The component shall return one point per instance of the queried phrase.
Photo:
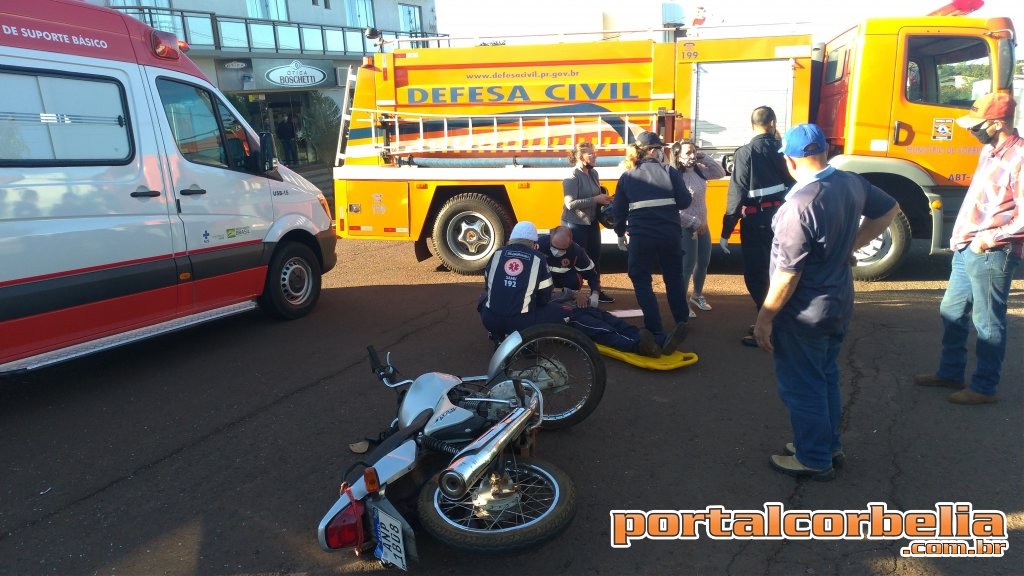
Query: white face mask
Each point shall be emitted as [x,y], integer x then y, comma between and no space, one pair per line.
[557,252]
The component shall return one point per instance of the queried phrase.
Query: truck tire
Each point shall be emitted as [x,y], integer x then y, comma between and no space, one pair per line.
[883,255]
[293,282]
[467,230]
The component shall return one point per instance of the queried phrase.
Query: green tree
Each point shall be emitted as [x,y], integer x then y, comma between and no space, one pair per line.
[320,123]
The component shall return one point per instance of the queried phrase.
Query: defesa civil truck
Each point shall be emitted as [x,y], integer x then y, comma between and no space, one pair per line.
[449,146]
[134,200]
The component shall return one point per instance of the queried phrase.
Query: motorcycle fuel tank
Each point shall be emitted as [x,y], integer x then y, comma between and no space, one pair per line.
[430,391]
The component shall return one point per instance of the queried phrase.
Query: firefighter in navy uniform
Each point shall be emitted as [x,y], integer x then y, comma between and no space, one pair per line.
[756,190]
[646,204]
[517,295]
[569,265]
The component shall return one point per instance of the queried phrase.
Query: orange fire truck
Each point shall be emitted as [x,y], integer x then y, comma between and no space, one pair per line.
[454,145]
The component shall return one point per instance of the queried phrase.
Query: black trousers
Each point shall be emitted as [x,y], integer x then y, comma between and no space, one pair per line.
[756,241]
[588,236]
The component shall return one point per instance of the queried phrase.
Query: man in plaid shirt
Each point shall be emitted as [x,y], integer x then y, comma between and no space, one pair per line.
[987,241]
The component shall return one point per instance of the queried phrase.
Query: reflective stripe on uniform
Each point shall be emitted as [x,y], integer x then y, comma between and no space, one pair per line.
[557,270]
[534,273]
[761,192]
[652,203]
[490,280]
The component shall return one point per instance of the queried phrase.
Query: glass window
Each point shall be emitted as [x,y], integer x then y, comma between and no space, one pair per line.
[192,120]
[288,37]
[267,9]
[835,65]
[409,18]
[47,119]
[359,13]
[947,70]
[233,34]
[312,39]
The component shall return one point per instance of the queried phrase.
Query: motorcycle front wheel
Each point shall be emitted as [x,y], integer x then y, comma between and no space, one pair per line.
[567,368]
[528,504]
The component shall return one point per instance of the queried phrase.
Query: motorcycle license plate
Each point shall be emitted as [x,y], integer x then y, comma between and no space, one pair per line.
[390,544]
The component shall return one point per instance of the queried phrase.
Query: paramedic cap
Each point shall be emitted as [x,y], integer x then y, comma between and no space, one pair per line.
[649,139]
[524,231]
[998,106]
[803,140]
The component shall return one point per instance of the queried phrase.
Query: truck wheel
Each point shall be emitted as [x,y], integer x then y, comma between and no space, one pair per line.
[883,255]
[293,282]
[467,230]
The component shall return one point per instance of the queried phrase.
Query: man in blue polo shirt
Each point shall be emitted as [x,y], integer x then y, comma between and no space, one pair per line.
[810,298]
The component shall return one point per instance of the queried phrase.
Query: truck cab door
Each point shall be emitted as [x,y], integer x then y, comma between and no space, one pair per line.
[221,195]
[939,74]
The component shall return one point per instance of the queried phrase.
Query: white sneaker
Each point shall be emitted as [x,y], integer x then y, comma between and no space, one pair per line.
[699,301]
[692,313]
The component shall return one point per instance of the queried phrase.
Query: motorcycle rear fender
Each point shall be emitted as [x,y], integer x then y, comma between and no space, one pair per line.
[390,467]
[500,356]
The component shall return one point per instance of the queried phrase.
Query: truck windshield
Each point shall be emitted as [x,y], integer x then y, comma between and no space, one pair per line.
[947,70]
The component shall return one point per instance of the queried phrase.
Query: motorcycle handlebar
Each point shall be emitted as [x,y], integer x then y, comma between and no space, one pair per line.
[375,364]
[382,372]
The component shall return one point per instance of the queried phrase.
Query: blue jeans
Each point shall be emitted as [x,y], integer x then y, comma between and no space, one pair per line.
[807,375]
[978,290]
[696,257]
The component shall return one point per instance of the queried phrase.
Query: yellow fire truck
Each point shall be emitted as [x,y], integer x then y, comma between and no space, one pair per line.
[454,145]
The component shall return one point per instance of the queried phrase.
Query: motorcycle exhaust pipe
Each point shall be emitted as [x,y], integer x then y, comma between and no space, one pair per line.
[472,461]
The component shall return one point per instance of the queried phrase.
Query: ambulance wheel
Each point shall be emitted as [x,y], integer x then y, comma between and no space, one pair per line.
[467,230]
[883,255]
[293,282]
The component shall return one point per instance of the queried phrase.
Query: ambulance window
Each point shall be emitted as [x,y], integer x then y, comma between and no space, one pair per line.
[947,70]
[190,114]
[53,120]
[239,149]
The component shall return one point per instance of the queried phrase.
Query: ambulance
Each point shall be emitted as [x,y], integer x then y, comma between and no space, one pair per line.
[448,147]
[134,200]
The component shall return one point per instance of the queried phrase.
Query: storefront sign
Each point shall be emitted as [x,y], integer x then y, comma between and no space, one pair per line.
[256,74]
[296,75]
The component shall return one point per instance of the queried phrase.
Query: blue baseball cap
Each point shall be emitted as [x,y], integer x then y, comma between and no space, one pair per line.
[803,140]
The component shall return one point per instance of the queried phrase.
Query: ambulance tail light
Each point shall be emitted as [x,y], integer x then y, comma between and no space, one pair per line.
[165,45]
[958,8]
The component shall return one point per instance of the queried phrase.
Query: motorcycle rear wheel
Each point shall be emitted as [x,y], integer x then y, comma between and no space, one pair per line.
[542,505]
[567,368]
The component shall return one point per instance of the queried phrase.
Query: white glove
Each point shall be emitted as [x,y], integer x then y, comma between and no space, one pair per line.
[724,243]
[623,244]
[593,299]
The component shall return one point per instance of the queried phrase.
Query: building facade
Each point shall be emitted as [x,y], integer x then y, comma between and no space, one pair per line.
[282,57]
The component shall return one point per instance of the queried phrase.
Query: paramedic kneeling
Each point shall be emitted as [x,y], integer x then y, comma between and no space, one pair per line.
[517,294]
[517,286]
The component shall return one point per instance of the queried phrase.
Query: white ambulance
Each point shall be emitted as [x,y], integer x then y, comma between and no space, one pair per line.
[134,200]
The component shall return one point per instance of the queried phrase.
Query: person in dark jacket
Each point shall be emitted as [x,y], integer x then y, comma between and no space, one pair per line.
[569,265]
[647,201]
[756,190]
[517,295]
[286,133]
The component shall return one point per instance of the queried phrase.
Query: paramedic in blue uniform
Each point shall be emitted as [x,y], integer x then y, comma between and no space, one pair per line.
[647,201]
[517,295]
[757,188]
[569,265]
[518,286]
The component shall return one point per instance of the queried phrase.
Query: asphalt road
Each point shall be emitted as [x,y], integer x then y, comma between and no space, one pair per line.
[217,450]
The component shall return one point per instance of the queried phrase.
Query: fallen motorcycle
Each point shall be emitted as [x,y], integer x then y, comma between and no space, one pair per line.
[459,455]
